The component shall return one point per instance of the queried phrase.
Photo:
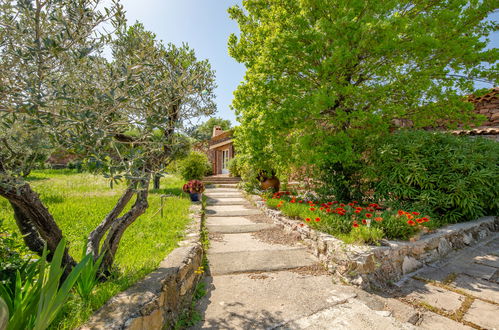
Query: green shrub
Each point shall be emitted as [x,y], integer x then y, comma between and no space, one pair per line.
[14,255]
[235,167]
[363,235]
[456,178]
[40,295]
[195,166]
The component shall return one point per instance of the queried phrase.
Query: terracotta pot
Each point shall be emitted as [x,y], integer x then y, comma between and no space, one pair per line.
[271,183]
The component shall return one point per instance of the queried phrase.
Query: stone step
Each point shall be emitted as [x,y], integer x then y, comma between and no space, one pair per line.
[227,201]
[228,221]
[266,300]
[227,185]
[230,229]
[226,194]
[235,213]
[222,263]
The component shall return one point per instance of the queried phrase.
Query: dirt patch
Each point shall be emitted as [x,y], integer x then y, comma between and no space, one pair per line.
[276,236]
[258,276]
[313,270]
[217,237]
[259,218]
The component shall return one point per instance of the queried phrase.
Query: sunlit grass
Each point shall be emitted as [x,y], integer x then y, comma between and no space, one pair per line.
[79,202]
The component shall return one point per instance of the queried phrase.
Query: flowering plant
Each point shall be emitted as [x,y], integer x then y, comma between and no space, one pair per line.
[193,186]
[352,221]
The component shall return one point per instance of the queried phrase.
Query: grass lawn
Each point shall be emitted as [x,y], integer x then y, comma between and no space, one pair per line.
[79,202]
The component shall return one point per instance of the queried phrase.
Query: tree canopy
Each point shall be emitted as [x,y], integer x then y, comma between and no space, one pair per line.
[120,115]
[324,78]
[204,131]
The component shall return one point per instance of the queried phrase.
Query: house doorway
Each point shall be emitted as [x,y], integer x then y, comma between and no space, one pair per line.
[225,161]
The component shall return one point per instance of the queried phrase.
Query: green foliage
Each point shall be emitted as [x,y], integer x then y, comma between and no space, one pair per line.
[40,296]
[235,167]
[324,79]
[85,199]
[352,222]
[195,166]
[364,235]
[456,178]
[14,256]
[204,131]
[88,277]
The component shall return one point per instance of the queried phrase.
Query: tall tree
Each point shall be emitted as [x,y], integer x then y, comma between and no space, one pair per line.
[120,115]
[325,77]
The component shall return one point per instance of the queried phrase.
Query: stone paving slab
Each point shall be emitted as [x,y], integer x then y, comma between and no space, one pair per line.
[347,316]
[483,314]
[477,288]
[255,227]
[257,261]
[233,208]
[432,321]
[246,212]
[266,300]
[245,242]
[227,201]
[228,220]
[434,296]
[224,195]
[487,260]
[471,269]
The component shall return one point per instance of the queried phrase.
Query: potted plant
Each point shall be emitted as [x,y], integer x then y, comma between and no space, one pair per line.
[268,180]
[195,188]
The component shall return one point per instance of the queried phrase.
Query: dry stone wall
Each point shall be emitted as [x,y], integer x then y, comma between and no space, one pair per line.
[157,301]
[376,266]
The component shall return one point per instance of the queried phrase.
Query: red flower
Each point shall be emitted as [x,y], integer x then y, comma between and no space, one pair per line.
[317,219]
[400,212]
[358,208]
[329,203]
[307,219]
[378,219]
[300,202]
[357,211]
[373,205]
[416,213]
[411,223]
[301,225]
[364,221]
[328,210]
[355,202]
[368,215]
[409,216]
[351,204]
[342,205]
[419,220]
[425,219]
[355,224]
[321,208]
[292,201]
[312,209]
[310,202]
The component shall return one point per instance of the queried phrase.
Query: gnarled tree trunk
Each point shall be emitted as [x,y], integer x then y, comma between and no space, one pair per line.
[114,227]
[35,221]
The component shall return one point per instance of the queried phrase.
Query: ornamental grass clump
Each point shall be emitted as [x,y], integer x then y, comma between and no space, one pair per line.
[352,222]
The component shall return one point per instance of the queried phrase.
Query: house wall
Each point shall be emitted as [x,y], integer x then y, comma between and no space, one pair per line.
[216,156]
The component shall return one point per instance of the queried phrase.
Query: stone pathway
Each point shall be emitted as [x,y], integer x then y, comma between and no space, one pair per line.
[464,287]
[262,279]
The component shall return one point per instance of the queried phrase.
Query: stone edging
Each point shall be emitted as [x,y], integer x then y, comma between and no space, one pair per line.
[157,301]
[376,266]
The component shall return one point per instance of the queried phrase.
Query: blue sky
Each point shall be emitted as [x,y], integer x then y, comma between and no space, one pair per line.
[206,26]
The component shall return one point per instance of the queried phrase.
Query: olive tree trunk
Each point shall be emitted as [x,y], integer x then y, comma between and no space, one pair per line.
[35,221]
[113,227]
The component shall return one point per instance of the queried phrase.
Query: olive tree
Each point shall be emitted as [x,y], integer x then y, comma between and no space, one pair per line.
[119,114]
